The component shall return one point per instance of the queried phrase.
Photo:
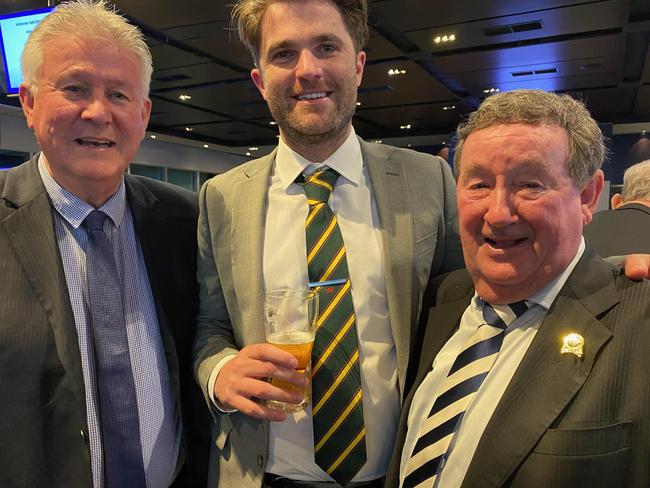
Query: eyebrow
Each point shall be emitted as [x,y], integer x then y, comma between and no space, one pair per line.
[287,43]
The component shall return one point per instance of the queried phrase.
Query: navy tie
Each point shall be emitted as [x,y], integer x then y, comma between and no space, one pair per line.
[118,409]
[455,395]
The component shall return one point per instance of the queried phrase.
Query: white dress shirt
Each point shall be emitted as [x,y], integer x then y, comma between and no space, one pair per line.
[518,336]
[291,449]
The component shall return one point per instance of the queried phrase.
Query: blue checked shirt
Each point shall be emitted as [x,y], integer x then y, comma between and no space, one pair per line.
[160,428]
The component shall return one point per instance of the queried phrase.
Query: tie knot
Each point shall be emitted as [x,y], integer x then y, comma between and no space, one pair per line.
[95,220]
[319,185]
[512,311]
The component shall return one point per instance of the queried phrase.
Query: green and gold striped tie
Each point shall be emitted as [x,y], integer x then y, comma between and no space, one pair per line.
[339,432]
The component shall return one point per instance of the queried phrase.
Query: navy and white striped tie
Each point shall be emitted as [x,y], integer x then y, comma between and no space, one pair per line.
[455,394]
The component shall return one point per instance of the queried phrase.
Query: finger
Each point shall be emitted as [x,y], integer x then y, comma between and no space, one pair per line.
[255,409]
[268,352]
[263,390]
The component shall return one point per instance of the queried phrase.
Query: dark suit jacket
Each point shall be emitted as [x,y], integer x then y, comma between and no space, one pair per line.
[43,423]
[625,230]
[562,421]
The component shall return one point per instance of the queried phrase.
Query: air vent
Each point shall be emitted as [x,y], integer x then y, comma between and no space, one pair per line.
[512,28]
[545,71]
[171,78]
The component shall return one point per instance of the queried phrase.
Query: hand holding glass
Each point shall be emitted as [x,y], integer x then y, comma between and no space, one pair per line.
[289,323]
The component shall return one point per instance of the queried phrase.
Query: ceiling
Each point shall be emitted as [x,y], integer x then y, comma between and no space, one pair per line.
[595,50]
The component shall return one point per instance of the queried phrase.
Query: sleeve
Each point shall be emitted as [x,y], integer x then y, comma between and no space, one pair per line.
[214,336]
[448,255]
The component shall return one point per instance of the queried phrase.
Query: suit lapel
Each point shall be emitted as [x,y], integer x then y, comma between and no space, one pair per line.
[545,381]
[152,230]
[247,243]
[390,189]
[30,232]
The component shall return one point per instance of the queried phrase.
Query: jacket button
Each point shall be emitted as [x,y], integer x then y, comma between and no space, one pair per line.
[260,460]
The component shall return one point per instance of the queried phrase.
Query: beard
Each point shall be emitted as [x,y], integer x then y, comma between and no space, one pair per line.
[306,125]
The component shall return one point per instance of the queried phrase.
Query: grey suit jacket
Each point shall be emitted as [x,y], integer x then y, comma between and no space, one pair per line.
[43,423]
[416,205]
[562,421]
[625,230]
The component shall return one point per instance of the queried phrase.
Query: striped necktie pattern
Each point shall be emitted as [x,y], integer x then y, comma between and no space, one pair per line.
[337,407]
[465,377]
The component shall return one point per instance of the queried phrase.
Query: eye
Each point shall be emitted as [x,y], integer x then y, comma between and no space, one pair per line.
[72,89]
[531,185]
[282,55]
[328,48]
[118,95]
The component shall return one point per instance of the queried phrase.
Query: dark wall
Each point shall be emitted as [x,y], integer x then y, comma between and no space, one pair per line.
[626,150]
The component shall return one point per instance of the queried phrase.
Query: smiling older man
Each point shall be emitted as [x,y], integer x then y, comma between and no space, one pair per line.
[535,359]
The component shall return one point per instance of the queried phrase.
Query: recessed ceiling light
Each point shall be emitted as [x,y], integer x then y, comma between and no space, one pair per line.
[405,126]
[205,146]
[377,141]
[489,91]
[248,154]
[273,122]
[253,148]
[396,71]
[444,38]
[449,107]
[189,129]
[358,104]
[183,97]
[153,136]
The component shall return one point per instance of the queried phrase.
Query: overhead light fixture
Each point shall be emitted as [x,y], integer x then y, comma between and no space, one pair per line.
[184,97]
[189,129]
[253,148]
[405,126]
[358,104]
[489,91]
[273,122]
[449,107]
[205,146]
[153,136]
[396,71]
[444,38]
[248,154]
[377,141]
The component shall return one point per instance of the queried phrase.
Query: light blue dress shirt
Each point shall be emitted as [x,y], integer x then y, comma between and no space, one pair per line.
[160,426]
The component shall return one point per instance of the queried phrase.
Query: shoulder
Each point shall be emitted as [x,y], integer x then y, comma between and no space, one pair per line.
[385,151]
[176,200]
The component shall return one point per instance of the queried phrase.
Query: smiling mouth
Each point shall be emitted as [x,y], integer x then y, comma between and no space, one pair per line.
[94,143]
[311,96]
[504,243]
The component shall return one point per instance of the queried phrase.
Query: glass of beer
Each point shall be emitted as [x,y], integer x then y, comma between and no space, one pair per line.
[289,323]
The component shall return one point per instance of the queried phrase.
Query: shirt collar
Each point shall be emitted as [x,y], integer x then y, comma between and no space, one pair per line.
[546,296]
[74,209]
[346,160]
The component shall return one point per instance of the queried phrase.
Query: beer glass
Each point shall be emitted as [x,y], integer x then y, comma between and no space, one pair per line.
[289,323]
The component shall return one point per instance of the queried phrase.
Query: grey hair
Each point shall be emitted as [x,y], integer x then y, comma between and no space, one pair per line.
[536,107]
[636,182]
[92,19]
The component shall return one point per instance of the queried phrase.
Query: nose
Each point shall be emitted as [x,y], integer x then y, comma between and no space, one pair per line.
[501,211]
[97,110]
[308,66]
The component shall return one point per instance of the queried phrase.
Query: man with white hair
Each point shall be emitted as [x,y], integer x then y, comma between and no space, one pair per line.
[98,300]
[625,228]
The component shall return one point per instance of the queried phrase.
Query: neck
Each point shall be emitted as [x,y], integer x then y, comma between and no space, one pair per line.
[317,152]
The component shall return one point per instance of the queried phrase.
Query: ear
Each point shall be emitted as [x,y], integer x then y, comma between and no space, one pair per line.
[590,194]
[27,102]
[360,63]
[145,113]
[616,201]
[258,79]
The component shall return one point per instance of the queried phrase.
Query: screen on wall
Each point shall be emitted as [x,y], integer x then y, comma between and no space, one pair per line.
[14,29]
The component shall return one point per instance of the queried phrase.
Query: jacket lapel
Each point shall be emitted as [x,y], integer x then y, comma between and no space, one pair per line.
[247,241]
[546,381]
[30,232]
[391,194]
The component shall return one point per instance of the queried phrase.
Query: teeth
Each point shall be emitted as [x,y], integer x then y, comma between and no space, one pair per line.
[90,142]
[312,96]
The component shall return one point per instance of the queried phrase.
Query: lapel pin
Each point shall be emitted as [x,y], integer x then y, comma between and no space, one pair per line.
[573,344]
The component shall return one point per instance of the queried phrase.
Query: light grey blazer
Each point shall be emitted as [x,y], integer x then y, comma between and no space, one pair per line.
[415,199]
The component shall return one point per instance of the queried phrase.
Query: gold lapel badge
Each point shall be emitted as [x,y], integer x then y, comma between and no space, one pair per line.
[573,344]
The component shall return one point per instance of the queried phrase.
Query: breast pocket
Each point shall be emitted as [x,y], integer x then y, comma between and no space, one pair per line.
[595,457]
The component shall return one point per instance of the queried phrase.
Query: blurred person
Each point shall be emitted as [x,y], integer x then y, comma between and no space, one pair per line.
[625,228]
[99,296]
[392,225]
[534,365]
